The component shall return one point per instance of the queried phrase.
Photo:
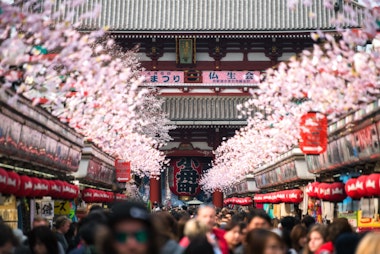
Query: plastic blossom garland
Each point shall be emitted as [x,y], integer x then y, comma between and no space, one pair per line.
[82,80]
[333,78]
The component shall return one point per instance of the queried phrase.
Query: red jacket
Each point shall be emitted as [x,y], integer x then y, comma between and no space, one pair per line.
[326,248]
[219,235]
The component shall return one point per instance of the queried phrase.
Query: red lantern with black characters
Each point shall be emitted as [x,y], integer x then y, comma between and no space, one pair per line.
[360,186]
[372,185]
[13,183]
[184,176]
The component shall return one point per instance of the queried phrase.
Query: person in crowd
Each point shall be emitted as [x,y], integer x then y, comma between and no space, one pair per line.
[316,237]
[370,244]
[42,240]
[334,230]
[200,244]
[262,241]
[71,236]
[286,225]
[308,221]
[62,226]
[346,243]
[167,236]
[233,235]
[40,221]
[275,222]
[298,236]
[193,228]
[8,241]
[259,219]
[132,230]
[206,215]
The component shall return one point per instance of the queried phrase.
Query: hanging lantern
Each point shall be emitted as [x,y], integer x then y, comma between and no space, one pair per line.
[258,198]
[26,187]
[45,188]
[3,179]
[312,189]
[13,183]
[295,196]
[321,190]
[327,192]
[56,189]
[88,195]
[350,188]
[36,187]
[372,185]
[184,176]
[360,186]
[338,193]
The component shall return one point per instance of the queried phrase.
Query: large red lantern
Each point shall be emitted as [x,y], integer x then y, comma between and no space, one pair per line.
[313,132]
[337,192]
[184,176]
[360,186]
[13,183]
[258,198]
[372,185]
[26,187]
[350,188]
[3,179]
[69,191]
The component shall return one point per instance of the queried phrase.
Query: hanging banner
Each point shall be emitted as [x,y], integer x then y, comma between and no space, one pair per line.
[163,76]
[123,171]
[313,128]
[62,207]
[230,76]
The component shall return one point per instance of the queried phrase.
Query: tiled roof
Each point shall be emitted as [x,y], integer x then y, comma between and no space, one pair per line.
[204,109]
[141,16]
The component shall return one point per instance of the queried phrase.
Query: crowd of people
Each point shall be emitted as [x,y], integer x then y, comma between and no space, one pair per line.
[128,227]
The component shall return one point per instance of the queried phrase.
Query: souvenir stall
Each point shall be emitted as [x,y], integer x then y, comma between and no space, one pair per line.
[35,148]
[289,171]
[96,177]
[352,155]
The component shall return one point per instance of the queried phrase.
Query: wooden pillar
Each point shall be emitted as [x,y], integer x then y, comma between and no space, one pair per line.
[217,199]
[155,190]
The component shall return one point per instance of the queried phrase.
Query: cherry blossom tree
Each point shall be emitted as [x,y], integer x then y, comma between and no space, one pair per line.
[83,79]
[333,78]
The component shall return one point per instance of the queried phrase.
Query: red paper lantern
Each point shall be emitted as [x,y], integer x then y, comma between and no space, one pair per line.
[36,187]
[338,193]
[312,189]
[69,191]
[88,195]
[13,183]
[45,188]
[328,192]
[372,185]
[322,190]
[56,189]
[3,179]
[295,196]
[360,186]
[26,187]
[350,188]
[258,198]
[248,201]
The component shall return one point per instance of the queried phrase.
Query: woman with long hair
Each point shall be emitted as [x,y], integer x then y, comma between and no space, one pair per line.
[316,238]
[43,241]
[262,241]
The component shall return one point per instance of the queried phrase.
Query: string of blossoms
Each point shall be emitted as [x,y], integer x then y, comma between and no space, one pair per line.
[332,78]
[84,83]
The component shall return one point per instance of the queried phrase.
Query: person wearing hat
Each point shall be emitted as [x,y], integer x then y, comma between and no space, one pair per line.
[132,229]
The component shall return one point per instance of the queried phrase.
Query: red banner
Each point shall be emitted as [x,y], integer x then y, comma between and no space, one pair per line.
[313,133]
[123,171]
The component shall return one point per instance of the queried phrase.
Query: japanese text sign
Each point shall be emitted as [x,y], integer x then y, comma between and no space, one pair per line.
[123,171]
[163,76]
[231,77]
[313,132]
